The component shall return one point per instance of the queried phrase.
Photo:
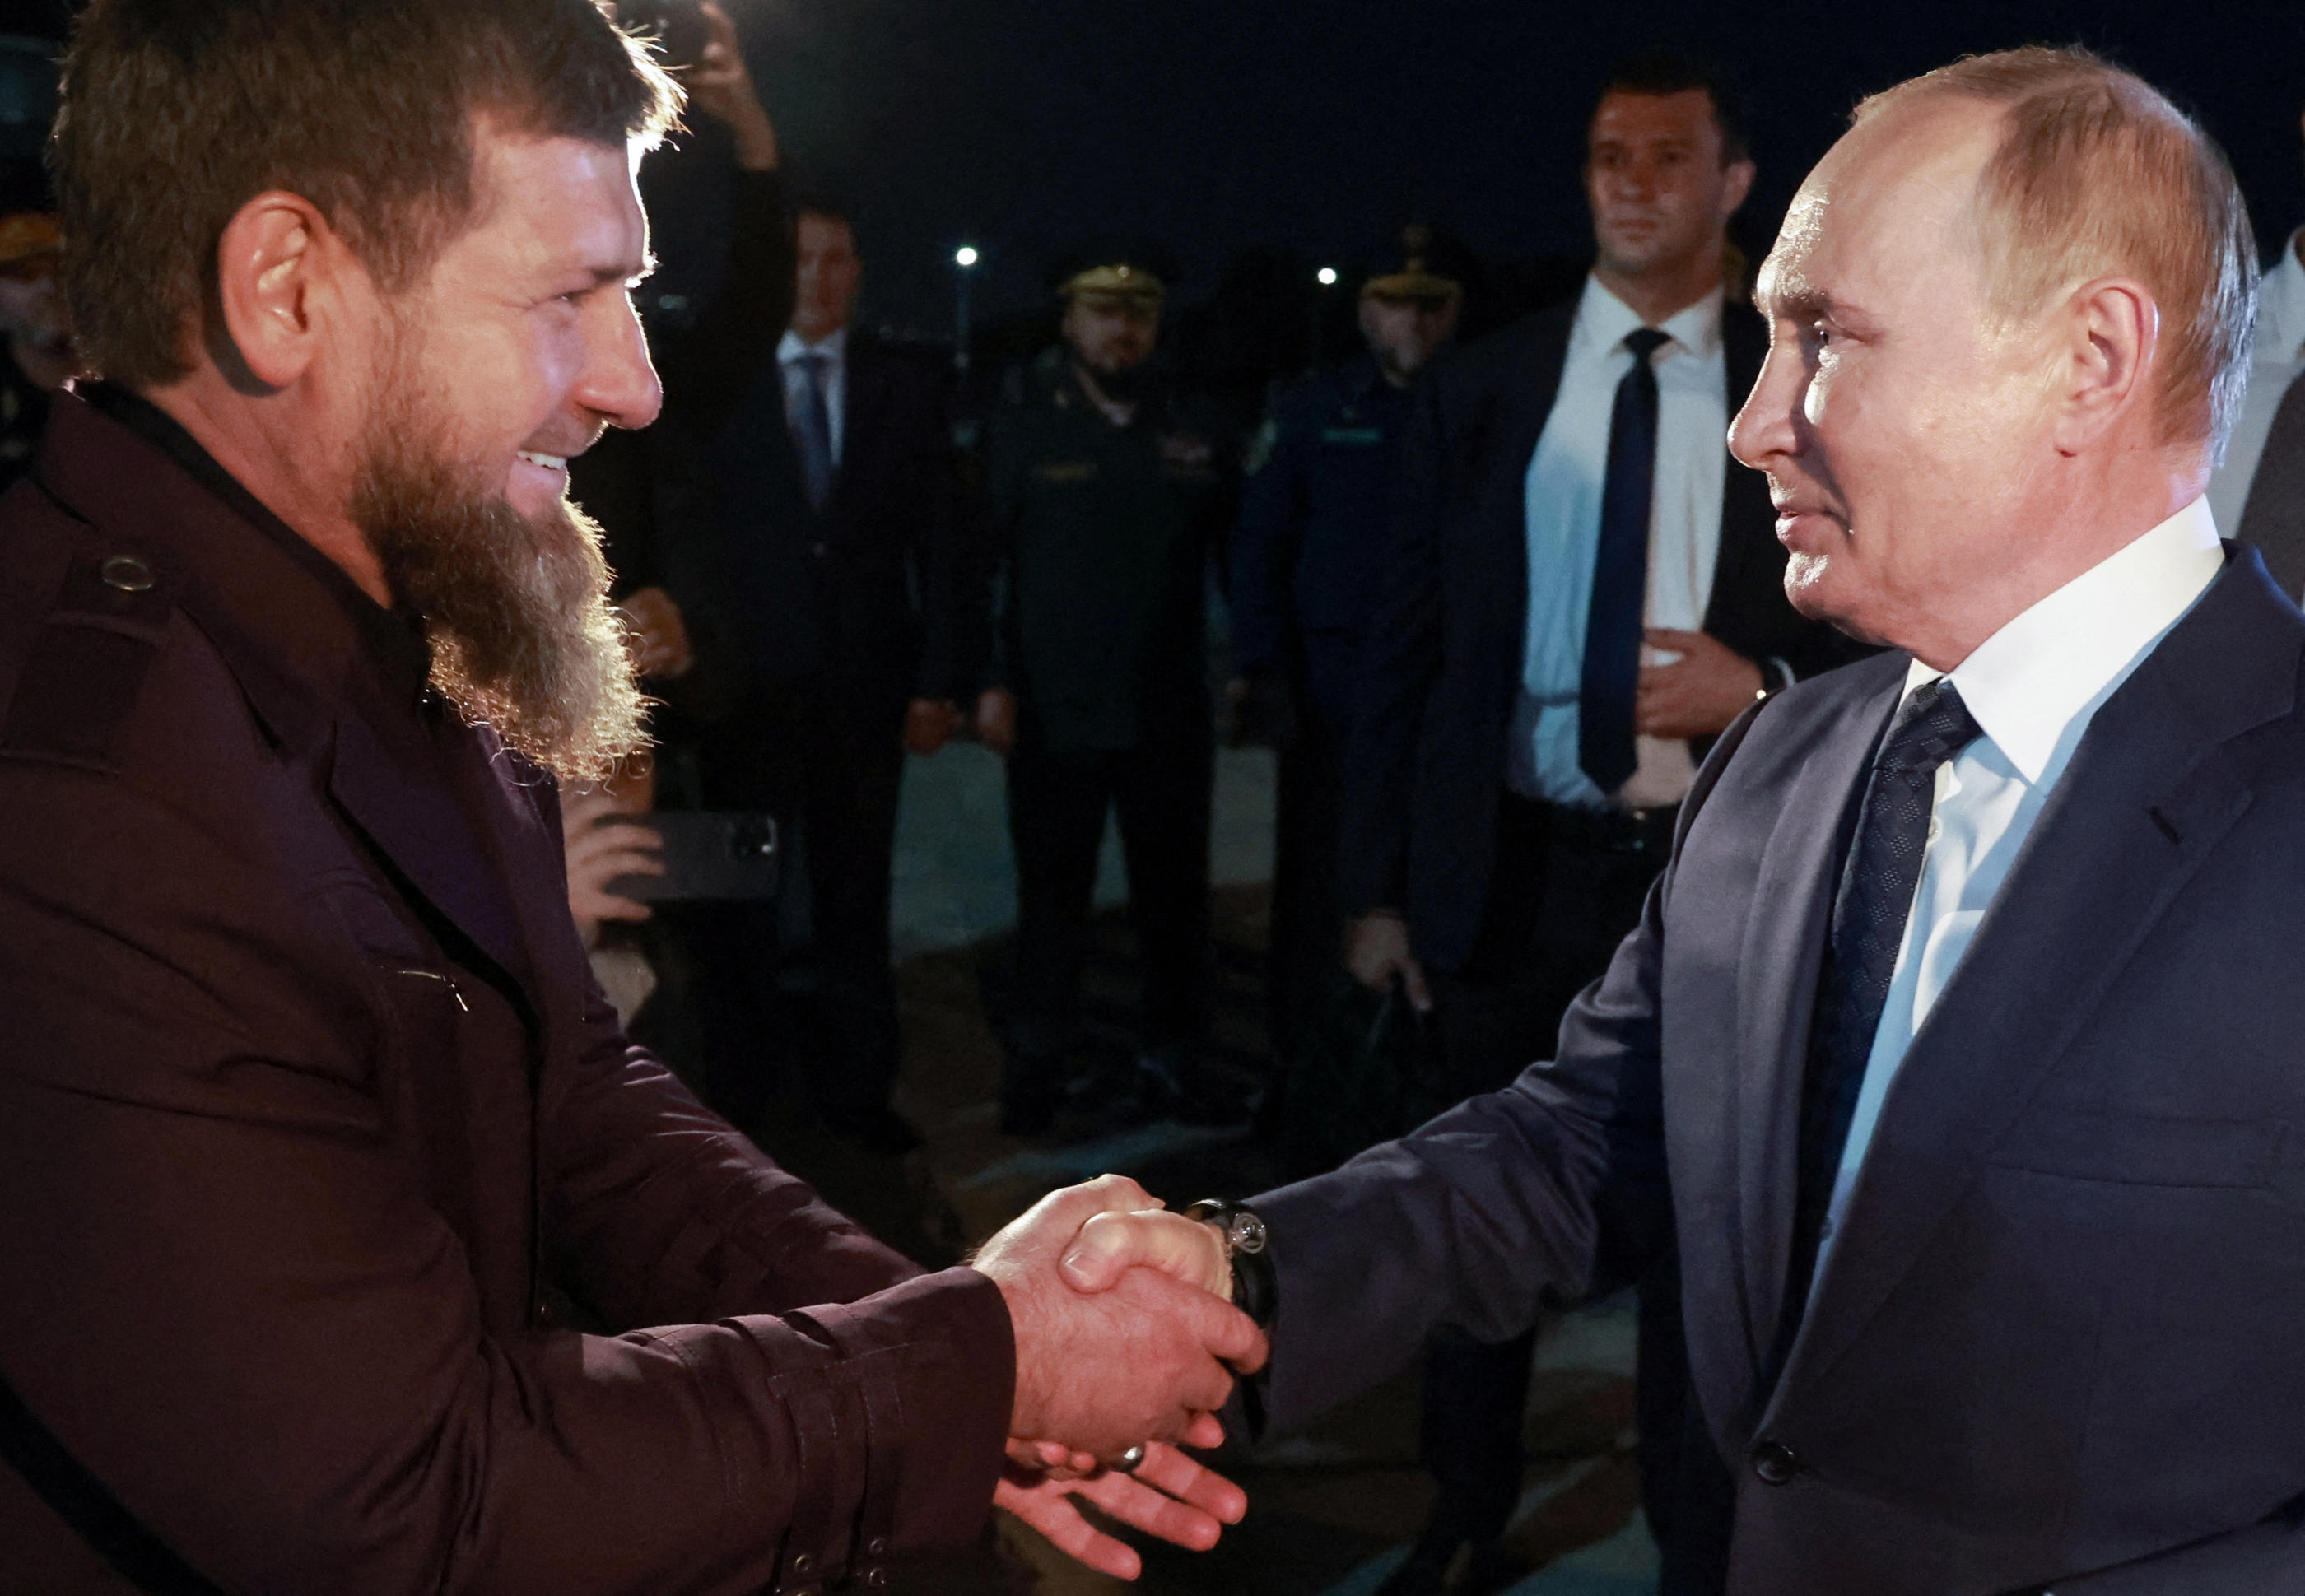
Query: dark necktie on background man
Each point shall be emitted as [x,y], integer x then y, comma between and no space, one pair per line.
[813,430]
[1621,574]
[2274,518]
[1869,911]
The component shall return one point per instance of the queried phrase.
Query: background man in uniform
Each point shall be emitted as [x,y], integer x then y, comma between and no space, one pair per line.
[1318,494]
[1105,494]
[36,349]
[1582,591]
[2259,493]
[333,1202]
[1961,1033]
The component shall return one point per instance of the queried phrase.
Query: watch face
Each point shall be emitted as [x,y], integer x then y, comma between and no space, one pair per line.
[1246,1232]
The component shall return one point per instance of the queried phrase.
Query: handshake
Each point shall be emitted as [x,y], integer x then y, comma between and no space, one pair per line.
[1127,1344]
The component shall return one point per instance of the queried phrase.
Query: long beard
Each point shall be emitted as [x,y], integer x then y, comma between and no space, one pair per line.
[523,639]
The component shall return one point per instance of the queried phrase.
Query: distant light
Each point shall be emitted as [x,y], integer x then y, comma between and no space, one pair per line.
[1328,276]
[964,256]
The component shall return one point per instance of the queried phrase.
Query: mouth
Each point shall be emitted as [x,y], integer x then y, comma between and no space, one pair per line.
[550,462]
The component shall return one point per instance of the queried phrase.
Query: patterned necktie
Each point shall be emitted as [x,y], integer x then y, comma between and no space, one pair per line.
[1621,574]
[1875,899]
[811,429]
[2274,518]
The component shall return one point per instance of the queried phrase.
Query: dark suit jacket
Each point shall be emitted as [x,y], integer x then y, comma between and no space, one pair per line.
[1426,761]
[310,1112]
[873,600]
[2058,1333]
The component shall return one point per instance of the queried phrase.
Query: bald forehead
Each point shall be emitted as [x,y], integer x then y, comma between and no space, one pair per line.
[1895,198]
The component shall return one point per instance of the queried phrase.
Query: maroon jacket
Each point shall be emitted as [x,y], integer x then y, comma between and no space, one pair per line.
[310,1112]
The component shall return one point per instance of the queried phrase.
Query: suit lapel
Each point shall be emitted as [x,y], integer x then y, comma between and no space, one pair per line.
[411,816]
[1506,442]
[2150,792]
[1782,954]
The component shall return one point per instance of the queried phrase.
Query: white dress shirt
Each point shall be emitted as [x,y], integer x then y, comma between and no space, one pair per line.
[2033,687]
[2276,357]
[835,352]
[1564,499]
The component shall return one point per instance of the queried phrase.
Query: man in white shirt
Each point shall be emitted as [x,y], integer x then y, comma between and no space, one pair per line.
[1581,591]
[2259,493]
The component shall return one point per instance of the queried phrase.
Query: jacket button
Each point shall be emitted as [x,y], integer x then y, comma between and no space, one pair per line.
[877,1547]
[127,574]
[802,1564]
[1775,1463]
[876,1579]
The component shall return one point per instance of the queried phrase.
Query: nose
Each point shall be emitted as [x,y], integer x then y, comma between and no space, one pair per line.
[1767,429]
[619,382]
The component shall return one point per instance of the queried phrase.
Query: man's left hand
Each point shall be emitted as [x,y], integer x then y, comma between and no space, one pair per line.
[1696,695]
[1169,1496]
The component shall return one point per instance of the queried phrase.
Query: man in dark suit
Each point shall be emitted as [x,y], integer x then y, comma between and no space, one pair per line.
[1512,781]
[1960,1035]
[346,1242]
[840,589]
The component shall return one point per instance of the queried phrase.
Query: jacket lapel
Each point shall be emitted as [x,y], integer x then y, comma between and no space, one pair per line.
[1781,955]
[2149,794]
[411,816]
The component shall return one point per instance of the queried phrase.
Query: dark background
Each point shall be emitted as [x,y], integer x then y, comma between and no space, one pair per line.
[1309,128]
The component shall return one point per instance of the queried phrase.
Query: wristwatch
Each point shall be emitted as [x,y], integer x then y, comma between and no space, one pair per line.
[1255,1291]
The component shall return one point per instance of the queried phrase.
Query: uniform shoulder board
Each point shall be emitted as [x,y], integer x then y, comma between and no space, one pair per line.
[80,684]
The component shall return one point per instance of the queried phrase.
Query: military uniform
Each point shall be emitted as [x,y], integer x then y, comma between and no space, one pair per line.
[1102,535]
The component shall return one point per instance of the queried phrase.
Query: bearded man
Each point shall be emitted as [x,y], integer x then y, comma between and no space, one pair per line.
[335,1203]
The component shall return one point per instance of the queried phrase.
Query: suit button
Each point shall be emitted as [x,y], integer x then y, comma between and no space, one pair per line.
[877,1547]
[804,1564]
[1774,1463]
[876,1579]
[127,574]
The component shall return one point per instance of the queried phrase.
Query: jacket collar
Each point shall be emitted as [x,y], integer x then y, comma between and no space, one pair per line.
[330,674]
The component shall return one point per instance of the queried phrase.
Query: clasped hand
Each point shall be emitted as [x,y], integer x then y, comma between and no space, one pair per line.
[1123,1338]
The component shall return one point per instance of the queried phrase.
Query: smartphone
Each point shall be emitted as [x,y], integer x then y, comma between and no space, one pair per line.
[710,855]
[678,26]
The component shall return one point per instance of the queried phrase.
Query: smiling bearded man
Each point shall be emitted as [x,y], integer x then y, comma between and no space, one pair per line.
[346,1244]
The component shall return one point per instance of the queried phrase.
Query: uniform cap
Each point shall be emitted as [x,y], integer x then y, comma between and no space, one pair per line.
[1420,263]
[25,233]
[1135,270]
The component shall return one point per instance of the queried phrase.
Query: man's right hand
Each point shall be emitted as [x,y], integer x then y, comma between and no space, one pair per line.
[1147,1360]
[1376,951]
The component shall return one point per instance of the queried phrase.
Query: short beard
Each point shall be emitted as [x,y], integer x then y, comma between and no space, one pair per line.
[516,610]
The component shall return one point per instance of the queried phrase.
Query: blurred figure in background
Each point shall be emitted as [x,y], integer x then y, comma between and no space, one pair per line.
[1320,480]
[1105,493]
[36,355]
[2259,494]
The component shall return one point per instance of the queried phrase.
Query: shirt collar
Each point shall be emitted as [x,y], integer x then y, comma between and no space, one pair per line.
[1604,319]
[792,347]
[2030,682]
[2281,305]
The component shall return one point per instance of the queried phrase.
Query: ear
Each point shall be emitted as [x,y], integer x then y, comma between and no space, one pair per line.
[281,280]
[1736,183]
[2112,341]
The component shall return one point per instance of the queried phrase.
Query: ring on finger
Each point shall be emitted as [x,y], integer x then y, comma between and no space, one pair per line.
[1128,1462]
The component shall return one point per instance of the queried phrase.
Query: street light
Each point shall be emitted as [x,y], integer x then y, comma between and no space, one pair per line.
[1327,276]
[965,258]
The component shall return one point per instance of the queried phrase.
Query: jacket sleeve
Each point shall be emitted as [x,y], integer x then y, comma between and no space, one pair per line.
[1399,665]
[2265,1557]
[1264,549]
[229,1296]
[707,366]
[1504,1206]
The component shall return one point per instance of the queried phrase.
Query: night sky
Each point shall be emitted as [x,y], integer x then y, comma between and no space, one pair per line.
[1021,124]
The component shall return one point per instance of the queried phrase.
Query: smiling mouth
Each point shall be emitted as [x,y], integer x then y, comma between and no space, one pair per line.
[551,462]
